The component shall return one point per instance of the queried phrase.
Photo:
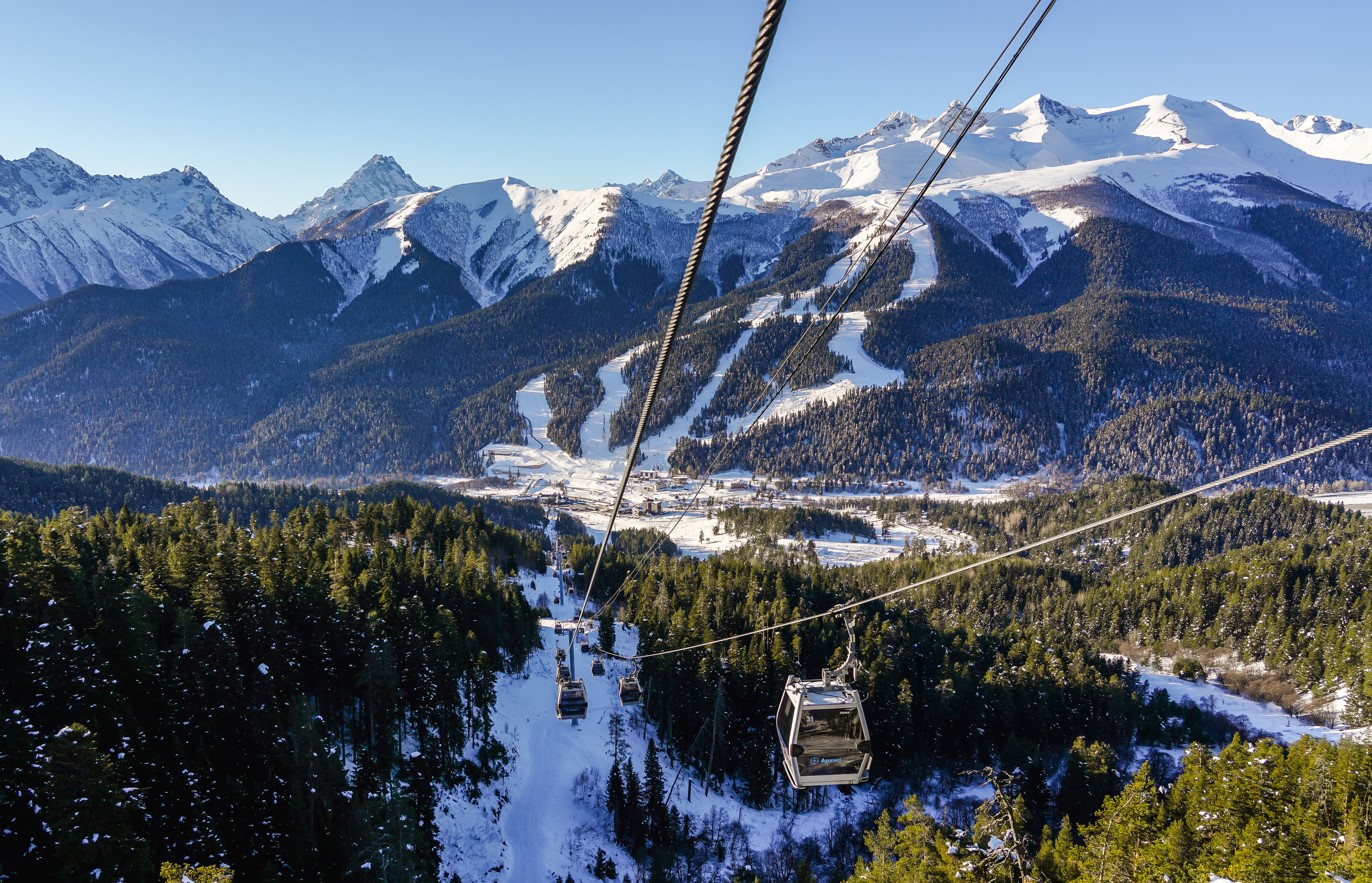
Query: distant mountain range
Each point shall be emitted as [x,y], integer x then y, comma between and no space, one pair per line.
[384,326]
[61,228]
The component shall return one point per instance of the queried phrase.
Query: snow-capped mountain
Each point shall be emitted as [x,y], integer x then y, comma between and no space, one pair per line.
[1035,171]
[61,227]
[503,233]
[670,185]
[371,303]
[1161,139]
[380,178]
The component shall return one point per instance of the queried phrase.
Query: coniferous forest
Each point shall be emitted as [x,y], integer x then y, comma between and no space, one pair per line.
[280,697]
[1000,670]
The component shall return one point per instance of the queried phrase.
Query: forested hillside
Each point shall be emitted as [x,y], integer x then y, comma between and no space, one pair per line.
[998,668]
[1126,351]
[1252,812]
[276,371]
[42,490]
[182,689]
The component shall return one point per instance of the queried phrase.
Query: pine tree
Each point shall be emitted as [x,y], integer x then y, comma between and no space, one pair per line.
[95,822]
[633,812]
[654,797]
[606,630]
[912,850]
[614,798]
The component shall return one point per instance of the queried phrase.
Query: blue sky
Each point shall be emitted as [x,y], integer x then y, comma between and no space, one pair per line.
[276,101]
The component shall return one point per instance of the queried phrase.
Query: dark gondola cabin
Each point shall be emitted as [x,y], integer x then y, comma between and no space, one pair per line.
[597,666]
[629,691]
[823,733]
[571,700]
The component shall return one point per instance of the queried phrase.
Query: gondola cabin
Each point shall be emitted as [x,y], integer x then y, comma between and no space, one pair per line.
[571,700]
[597,667]
[629,691]
[823,733]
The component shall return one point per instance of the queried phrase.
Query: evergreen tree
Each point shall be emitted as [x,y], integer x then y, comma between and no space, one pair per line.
[654,798]
[635,812]
[606,630]
[911,850]
[615,798]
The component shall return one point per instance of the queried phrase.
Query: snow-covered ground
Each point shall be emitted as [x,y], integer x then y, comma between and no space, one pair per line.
[1265,716]
[1360,501]
[547,816]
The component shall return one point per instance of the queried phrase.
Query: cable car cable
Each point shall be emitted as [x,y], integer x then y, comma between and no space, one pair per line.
[770,394]
[1029,547]
[771,18]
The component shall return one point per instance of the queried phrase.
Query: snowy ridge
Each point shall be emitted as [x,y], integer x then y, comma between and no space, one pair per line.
[503,233]
[61,227]
[1324,155]
[1021,169]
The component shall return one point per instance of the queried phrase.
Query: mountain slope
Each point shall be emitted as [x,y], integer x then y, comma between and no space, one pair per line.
[357,354]
[61,228]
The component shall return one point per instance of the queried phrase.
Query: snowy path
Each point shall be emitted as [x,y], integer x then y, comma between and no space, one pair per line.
[925,270]
[595,432]
[921,241]
[548,826]
[532,401]
[1358,501]
[866,371]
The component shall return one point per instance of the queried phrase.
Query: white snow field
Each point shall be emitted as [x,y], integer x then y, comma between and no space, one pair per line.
[1265,716]
[1358,501]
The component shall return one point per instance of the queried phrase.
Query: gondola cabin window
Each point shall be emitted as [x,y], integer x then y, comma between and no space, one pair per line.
[831,737]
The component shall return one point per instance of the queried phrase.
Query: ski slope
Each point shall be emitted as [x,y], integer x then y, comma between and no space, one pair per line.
[599,462]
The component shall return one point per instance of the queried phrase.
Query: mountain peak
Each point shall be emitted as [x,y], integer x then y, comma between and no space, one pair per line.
[1318,124]
[191,173]
[52,161]
[47,154]
[671,185]
[378,179]
[378,174]
[895,121]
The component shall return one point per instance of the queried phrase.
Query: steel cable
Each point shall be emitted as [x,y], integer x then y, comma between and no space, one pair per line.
[1029,547]
[771,393]
[762,47]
